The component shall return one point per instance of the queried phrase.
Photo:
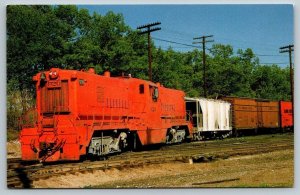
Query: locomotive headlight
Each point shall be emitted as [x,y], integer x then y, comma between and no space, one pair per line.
[53,74]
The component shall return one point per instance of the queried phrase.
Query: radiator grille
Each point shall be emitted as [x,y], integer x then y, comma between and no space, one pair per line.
[55,100]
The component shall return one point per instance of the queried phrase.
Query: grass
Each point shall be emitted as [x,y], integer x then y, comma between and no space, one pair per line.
[12,134]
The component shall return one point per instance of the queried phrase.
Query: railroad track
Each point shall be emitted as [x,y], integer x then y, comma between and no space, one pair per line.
[20,175]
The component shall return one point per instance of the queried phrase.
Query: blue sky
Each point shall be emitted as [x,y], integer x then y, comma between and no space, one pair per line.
[263,28]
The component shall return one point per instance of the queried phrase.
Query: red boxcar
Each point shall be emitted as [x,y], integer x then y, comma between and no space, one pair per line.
[79,113]
[286,114]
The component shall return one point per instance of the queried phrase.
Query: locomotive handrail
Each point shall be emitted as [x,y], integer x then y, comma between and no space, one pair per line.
[188,112]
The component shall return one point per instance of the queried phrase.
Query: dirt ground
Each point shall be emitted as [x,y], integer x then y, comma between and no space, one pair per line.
[13,149]
[275,169]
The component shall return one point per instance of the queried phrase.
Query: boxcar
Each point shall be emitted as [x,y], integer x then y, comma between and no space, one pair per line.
[253,114]
[243,112]
[286,114]
[268,114]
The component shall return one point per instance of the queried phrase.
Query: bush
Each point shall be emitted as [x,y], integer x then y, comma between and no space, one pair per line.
[18,103]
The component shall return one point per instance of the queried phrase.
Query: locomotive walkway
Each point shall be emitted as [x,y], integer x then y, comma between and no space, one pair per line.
[20,175]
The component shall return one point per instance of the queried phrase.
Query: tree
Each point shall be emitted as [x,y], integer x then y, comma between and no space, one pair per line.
[37,39]
[271,82]
[229,74]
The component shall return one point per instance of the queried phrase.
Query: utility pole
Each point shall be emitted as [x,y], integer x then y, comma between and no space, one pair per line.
[148,30]
[204,59]
[289,49]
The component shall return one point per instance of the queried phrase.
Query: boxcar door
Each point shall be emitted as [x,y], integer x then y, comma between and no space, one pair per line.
[259,115]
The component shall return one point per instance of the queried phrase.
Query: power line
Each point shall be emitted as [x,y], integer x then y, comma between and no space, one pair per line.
[174,42]
[176,46]
[193,46]
[269,55]
[264,45]
[187,46]
[209,49]
[260,45]
[274,63]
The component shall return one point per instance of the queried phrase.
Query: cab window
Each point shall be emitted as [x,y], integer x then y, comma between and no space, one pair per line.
[153,92]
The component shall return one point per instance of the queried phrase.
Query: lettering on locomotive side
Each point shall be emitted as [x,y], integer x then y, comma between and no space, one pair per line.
[168,107]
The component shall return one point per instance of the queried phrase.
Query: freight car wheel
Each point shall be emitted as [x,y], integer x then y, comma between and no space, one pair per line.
[198,136]
[235,133]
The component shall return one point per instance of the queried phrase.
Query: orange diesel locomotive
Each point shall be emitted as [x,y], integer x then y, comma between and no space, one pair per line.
[79,113]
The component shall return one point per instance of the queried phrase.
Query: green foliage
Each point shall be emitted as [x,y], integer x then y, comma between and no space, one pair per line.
[18,103]
[271,82]
[12,134]
[41,37]
[37,39]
